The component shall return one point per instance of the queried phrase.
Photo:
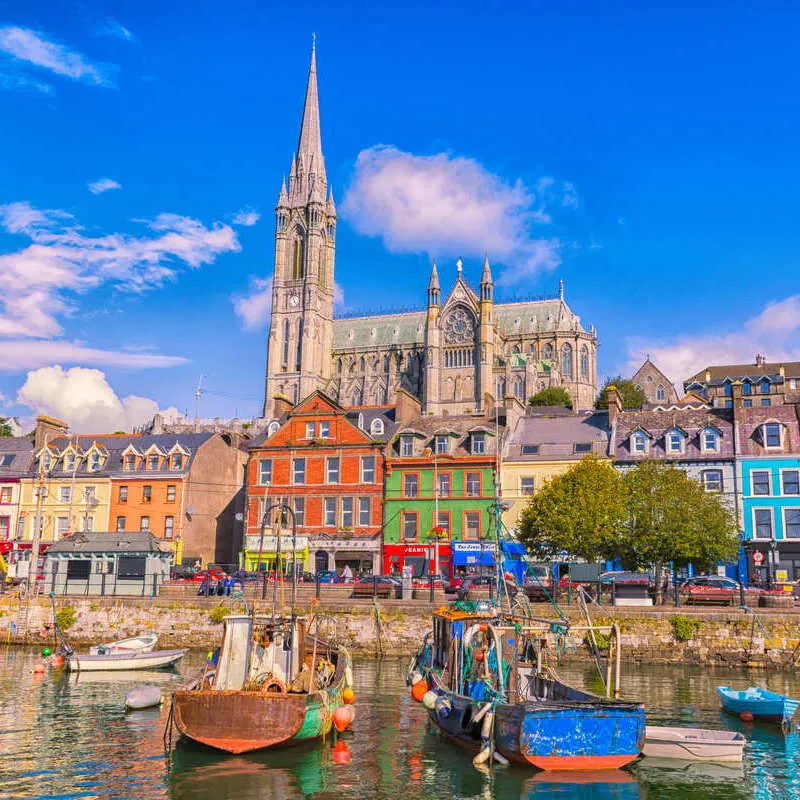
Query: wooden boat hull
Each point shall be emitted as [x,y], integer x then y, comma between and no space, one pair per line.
[160,659]
[762,704]
[577,735]
[693,744]
[241,721]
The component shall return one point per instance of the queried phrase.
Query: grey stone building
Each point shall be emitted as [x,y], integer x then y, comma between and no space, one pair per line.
[657,387]
[459,355]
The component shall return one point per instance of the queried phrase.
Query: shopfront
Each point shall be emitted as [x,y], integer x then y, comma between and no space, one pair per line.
[473,558]
[269,553]
[361,554]
[420,557]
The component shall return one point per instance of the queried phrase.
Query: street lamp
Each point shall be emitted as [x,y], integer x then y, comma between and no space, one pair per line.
[430,554]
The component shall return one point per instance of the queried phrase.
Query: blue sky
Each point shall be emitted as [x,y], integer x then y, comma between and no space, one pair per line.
[646,155]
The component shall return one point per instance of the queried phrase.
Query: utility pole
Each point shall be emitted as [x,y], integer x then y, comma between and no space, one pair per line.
[41,493]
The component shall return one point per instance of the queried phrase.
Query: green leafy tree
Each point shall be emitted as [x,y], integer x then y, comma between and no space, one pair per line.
[581,511]
[670,517]
[5,427]
[631,396]
[552,396]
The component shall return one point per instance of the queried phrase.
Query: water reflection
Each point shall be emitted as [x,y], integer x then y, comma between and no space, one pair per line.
[70,736]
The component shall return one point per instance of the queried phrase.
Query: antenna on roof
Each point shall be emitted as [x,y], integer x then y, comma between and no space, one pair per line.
[197,392]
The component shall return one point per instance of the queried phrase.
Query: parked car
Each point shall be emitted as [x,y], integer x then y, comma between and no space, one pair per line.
[714,589]
[424,581]
[538,582]
[328,576]
[381,585]
[182,572]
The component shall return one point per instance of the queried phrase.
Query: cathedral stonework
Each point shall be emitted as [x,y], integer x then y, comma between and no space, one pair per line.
[459,356]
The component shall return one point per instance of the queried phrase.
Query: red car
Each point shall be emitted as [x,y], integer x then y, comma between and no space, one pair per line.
[714,589]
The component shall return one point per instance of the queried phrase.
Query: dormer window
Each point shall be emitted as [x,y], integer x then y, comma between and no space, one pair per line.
[764,386]
[324,430]
[376,427]
[747,388]
[130,463]
[94,462]
[273,426]
[477,443]
[406,445]
[69,462]
[152,461]
[771,434]
[176,461]
[310,430]
[442,444]
[640,443]
[710,440]
[47,462]
[674,441]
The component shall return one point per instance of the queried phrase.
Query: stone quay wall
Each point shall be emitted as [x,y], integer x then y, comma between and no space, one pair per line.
[730,637]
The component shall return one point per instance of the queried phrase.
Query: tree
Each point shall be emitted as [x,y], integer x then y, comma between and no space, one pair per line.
[631,396]
[581,511]
[552,396]
[670,517]
[5,427]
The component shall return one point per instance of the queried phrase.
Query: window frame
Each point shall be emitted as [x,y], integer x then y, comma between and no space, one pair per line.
[147,493]
[467,474]
[64,494]
[786,511]
[441,438]
[672,435]
[770,428]
[311,430]
[418,478]
[333,466]
[406,515]
[522,488]
[172,489]
[299,508]
[364,507]
[152,462]
[464,515]
[756,523]
[448,475]
[176,461]
[407,443]
[262,463]
[783,473]
[169,529]
[298,468]
[374,461]
[324,429]
[753,473]
[448,516]
[343,512]
[142,527]
[122,494]
[476,437]
[118,528]
[707,484]
[6,492]
[637,437]
[328,504]
[704,435]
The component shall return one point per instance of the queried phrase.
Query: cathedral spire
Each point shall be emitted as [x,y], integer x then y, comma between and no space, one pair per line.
[310,145]
[487,271]
[434,290]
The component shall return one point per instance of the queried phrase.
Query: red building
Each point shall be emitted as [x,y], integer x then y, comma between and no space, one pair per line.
[328,463]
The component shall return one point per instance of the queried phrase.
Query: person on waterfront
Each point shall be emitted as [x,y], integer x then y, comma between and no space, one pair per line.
[205,586]
[347,574]
[229,585]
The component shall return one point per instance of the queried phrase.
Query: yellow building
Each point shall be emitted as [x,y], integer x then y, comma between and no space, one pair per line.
[68,488]
[545,443]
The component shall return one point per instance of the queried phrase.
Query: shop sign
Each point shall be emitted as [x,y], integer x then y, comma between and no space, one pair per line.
[252,543]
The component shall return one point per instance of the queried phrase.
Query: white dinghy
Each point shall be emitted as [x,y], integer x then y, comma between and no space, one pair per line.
[693,744]
[159,659]
[145,643]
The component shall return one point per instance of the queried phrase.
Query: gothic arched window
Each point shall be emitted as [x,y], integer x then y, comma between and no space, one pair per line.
[298,258]
[660,393]
[515,350]
[519,389]
[299,344]
[386,363]
[547,354]
[362,364]
[584,362]
[566,359]
[285,342]
[501,388]
[355,399]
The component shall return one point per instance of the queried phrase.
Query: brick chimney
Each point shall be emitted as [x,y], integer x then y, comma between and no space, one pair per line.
[514,409]
[282,404]
[406,406]
[738,402]
[47,428]
[614,405]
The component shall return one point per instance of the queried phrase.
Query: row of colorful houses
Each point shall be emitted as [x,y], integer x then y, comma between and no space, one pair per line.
[381,487]
[185,489]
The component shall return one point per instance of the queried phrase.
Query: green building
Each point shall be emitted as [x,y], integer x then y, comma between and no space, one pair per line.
[439,495]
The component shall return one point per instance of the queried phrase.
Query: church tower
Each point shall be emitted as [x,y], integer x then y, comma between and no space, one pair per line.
[301,324]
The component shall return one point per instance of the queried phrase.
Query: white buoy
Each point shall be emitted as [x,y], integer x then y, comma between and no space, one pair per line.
[145,696]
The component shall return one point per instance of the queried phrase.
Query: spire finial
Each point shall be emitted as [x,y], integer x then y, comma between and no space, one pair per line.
[561,289]
[309,148]
[459,266]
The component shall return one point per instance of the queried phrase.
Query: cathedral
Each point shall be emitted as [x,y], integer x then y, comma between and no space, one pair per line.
[460,354]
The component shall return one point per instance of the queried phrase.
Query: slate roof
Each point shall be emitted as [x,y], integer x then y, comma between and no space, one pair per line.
[21,448]
[111,542]
[749,434]
[690,420]
[557,433]
[754,372]
[458,427]
[115,444]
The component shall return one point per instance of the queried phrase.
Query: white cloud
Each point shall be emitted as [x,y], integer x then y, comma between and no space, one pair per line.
[254,307]
[446,205]
[103,185]
[247,217]
[114,29]
[41,281]
[22,354]
[33,48]
[775,333]
[84,399]
[20,81]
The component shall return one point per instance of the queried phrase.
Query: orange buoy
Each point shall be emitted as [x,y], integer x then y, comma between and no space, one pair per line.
[418,690]
[341,753]
[746,716]
[349,696]
[38,669]
[342,717]
[479,655]
[57,661]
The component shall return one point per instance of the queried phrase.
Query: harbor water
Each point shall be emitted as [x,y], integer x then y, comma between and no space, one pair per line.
[68,736]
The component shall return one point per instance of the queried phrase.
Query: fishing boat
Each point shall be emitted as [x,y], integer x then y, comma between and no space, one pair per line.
[158,659]
[693,744]
[761,703]
[481,676]
[275,683]
[145,643]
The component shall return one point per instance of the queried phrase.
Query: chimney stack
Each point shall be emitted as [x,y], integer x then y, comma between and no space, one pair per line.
[282,404]
[614,405]
[760,360]
[47,428]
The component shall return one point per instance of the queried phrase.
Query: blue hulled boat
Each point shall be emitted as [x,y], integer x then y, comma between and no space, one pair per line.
[481,678]
[761,703]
